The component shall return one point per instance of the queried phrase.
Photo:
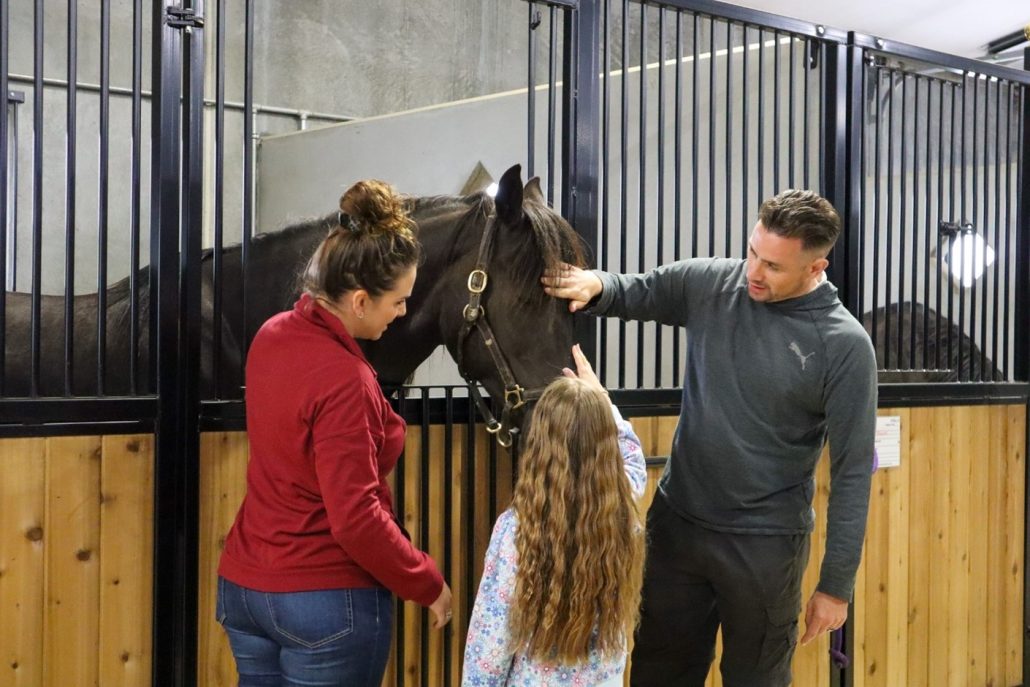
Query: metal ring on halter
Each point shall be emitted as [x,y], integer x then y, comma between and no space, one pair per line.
[493,427]
[501,441]
[517,394]
[478,313]
[477,281]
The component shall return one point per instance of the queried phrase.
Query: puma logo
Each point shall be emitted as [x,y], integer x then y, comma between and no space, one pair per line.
[801,356]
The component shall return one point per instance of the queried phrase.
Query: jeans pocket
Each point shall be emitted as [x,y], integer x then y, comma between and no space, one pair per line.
[781,636]
[311,619]
[220,613]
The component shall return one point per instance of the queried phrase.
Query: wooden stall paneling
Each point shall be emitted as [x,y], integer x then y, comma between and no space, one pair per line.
[938,596]
[76,518]
[126,587]
[22,560]
[223,482]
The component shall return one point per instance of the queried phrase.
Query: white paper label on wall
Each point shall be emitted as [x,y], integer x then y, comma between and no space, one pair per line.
[888,441]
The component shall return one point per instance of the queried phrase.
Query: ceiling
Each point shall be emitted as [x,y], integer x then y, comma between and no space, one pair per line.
[958,27]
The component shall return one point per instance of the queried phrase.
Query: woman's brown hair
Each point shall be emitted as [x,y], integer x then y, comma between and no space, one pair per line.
[371,244]
[579,541]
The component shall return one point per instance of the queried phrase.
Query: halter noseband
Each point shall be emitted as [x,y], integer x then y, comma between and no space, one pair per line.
[474,317]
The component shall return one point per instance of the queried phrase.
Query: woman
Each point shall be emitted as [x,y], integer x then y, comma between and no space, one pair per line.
[561,583]
[305,580]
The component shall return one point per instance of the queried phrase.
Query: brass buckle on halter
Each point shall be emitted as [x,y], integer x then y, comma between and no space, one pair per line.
[515,392]
[477,281]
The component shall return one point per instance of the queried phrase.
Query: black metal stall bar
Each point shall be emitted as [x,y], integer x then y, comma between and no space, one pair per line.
[933,137]
[703,103]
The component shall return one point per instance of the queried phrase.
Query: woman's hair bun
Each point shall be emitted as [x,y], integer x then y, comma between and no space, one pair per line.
[374,206]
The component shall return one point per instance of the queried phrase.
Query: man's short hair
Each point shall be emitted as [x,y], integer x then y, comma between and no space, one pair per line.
[803,215]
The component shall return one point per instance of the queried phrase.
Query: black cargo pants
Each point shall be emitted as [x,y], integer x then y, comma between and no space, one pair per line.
[697,579]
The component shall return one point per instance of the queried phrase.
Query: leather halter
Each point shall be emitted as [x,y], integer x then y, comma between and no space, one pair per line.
[474,317]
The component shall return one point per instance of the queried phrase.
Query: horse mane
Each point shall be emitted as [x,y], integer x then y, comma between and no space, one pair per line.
[554,240]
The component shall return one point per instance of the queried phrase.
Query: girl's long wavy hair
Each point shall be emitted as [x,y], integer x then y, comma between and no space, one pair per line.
[579,540]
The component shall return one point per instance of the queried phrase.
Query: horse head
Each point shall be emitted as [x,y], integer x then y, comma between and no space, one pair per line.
[479,294]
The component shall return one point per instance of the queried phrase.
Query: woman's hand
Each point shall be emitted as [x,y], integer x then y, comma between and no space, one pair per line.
[583,370]
[441,608]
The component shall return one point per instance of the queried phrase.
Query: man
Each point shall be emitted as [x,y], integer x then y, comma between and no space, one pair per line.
[776,366]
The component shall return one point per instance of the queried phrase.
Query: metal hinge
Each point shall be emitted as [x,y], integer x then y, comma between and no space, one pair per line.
[183,18]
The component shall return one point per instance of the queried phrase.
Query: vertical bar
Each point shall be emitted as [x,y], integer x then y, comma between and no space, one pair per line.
[1006,328]
[247,229]
[810,48]
[678,183]
[604,240]
[70,148]
[728,162]
[974,218]
[745,105]
[987,205]
[4,179]
[169,640]
[902,216]
[940,217]
[834,172]
[878,140]
[917,121]
[448,514]
[134,202]
[927,224]
[642,183]
[218,206]
[965,218]
[102,191]
[423,503]
[37,195]
[696,137]
[858,128]
[888,268]
[790,115]
[776,113]
[623,182]
[953,177]
[999,256]
[469,458]
[850,171]
[660,181]
[552,103]
[581,110]
[531,26]
[188,364]
[761,118]
[711,136]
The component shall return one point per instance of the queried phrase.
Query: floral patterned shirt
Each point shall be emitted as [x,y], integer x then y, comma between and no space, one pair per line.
[489,660]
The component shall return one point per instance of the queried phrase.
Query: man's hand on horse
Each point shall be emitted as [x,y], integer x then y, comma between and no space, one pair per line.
[825,613]
[577,285]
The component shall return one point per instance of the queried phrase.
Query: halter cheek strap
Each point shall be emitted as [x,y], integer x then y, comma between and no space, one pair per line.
[474,317]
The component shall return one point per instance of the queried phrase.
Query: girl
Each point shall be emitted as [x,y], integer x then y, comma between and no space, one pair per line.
[561,585]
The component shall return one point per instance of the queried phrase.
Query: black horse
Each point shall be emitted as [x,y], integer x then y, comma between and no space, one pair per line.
[532,331]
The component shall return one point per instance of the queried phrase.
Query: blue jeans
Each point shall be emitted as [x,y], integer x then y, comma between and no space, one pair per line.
[331,637]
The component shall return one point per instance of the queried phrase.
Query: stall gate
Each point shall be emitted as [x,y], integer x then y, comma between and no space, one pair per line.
[657,128]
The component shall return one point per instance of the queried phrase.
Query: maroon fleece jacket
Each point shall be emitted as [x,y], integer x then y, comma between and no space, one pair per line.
[318,513]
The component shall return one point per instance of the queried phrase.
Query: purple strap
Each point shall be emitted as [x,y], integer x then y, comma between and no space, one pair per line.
[837,655]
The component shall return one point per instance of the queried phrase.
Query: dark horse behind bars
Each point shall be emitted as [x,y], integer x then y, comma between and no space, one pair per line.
[528,333]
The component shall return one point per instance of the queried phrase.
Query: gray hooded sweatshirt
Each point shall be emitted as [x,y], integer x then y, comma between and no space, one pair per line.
[766,385]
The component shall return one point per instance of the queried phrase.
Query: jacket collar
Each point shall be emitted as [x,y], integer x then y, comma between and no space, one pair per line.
[310,310]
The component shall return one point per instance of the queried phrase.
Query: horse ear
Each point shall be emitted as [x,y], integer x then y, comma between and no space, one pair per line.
[533,192]
[508,200]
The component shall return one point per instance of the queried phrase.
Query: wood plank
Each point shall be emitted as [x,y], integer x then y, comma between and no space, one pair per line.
[939,591]
[873,671]
[920,540]
[977,517]
[435,544]
[962,446]
[223,484]
[995,537]
[72,617]
[1014,544]
[811,665]
[411,620]
[126,561]
[22,560]
[897,551]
